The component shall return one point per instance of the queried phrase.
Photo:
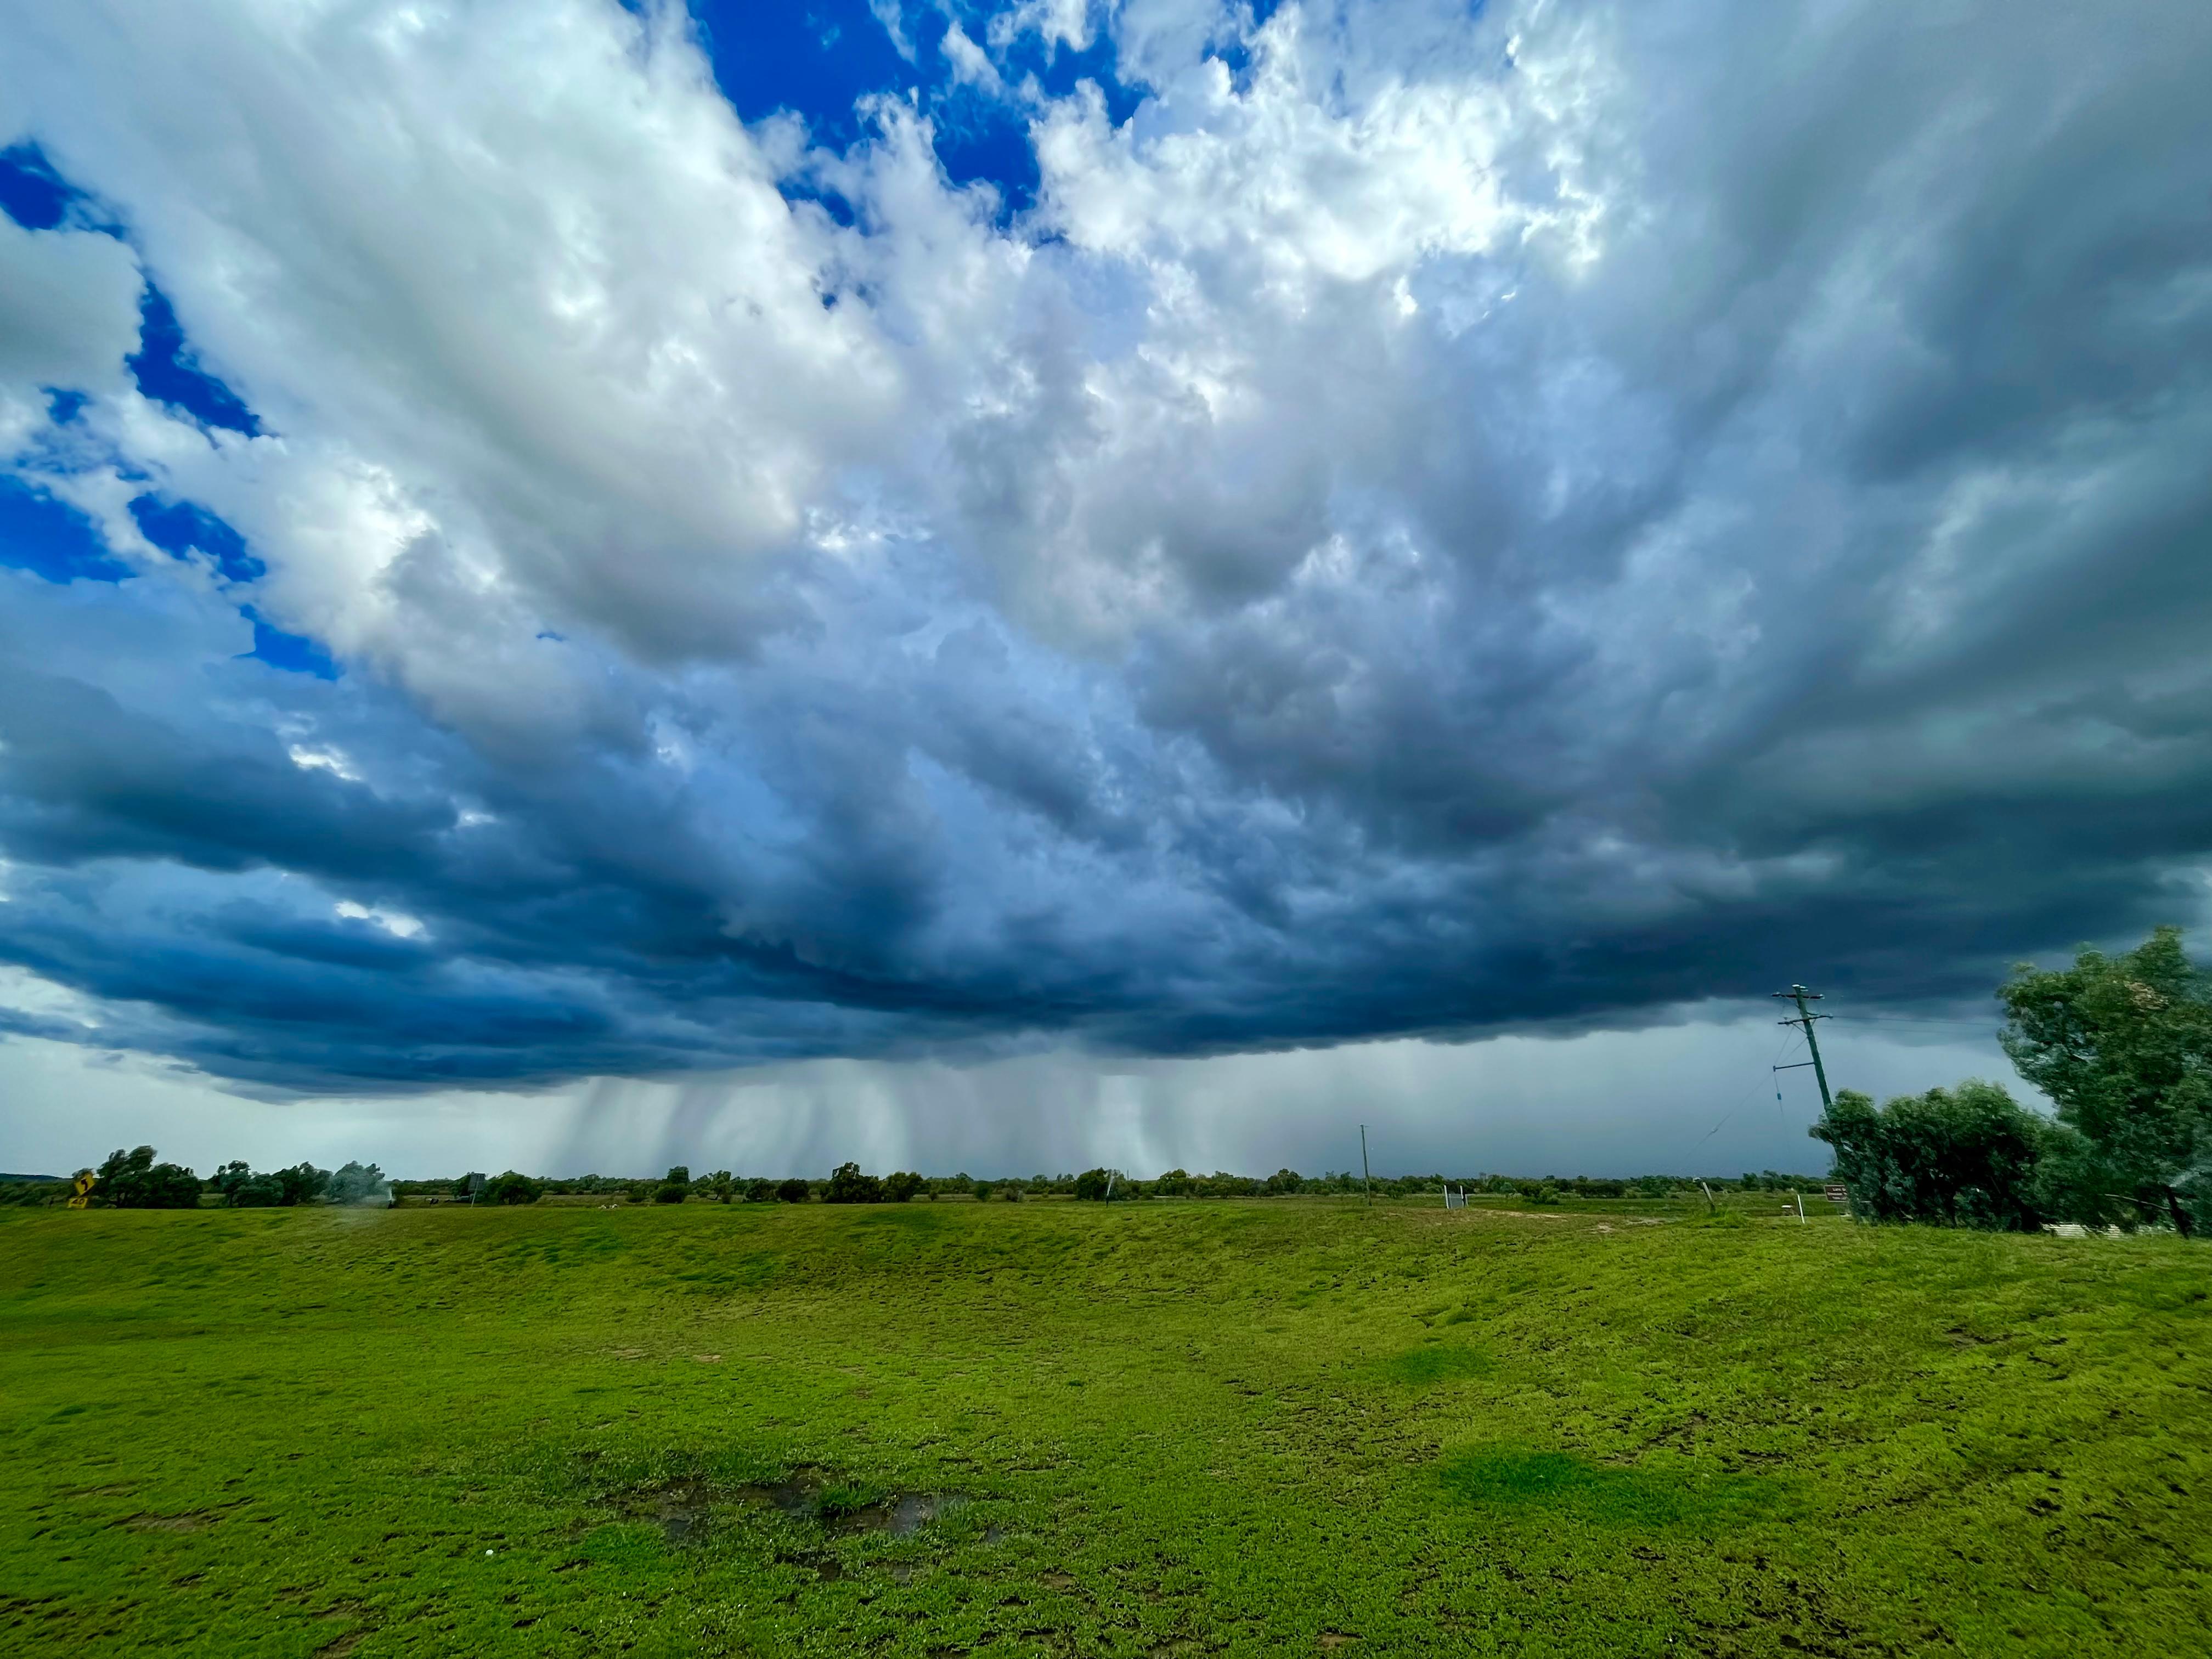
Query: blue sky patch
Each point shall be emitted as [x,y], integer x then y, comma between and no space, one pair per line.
[168,372]
[178,527]
[819,59]
[295,653]
[51,539]
[31,193]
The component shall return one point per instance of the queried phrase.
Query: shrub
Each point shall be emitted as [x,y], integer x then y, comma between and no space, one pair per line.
[760,1191]
[670,1192]
[511,1187]
[1545,1194]
[848,1186]
[901,1186]
[361,1183]
[982,1190]
[793,1191]
[1963,1157]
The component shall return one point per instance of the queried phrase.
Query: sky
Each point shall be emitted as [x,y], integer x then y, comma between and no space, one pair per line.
[585,584]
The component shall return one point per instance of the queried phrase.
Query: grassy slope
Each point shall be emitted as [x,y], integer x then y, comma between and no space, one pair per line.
[1250,1428]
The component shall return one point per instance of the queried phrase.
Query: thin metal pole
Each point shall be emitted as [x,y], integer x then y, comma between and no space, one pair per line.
[1366,1175]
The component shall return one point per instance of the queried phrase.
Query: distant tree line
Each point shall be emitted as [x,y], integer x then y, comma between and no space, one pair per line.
[134,1180]
[138,1180]
[2122,1046]
[849,1184]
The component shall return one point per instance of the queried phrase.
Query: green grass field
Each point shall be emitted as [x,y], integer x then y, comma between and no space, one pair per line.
[1278,1426]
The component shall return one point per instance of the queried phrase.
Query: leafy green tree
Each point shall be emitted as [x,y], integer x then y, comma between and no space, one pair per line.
[760,1191]
[719,1185]
[2123,1045]
[899,1186]
[510,1187]
[1284,1182]
[793,1191]
[133,1180]
[470,1184]
[232,1178]
[848,1186]
[1091,1185]
[983,1189]
[1174,1183]
[302,1184]
[358,1183]
[675,1187]
[261,1192]
[1965,1157]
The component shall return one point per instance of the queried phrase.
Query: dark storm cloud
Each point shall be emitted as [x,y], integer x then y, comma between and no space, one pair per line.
[1778,546]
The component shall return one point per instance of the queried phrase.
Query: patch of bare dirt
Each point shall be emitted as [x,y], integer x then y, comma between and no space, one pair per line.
[196,1520]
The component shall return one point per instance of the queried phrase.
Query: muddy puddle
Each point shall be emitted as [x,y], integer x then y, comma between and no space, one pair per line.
[900,1516]
[683,1510]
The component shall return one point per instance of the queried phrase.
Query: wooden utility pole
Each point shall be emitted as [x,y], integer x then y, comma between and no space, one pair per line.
[1801,996]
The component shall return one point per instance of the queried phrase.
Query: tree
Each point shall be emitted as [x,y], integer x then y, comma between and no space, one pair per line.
[719,1185]
[360,1183]
[1091,1185]
[1964,1158]
[901,1186]
[760,1191]
[133,1180]
[510,1187]
[470,1184]
[982,1190]
[793,1191]
[243,1189]
[1282,1181]
[2123,1045]
[848,1186]
[302,1184]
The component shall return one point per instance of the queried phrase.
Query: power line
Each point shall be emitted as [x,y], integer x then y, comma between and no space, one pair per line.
[1738,1106]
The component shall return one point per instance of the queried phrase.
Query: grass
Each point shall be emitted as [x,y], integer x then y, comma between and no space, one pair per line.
[1251,1428]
